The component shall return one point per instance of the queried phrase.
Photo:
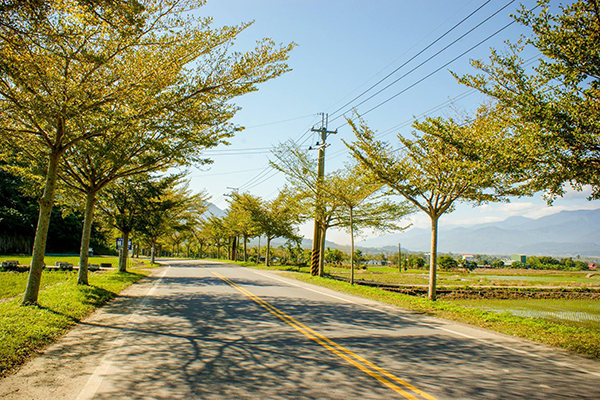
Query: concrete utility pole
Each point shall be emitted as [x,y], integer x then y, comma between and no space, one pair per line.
[316,267]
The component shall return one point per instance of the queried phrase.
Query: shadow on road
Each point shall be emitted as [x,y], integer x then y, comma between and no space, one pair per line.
[211,344]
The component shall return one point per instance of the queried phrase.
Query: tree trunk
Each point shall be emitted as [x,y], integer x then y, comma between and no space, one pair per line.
[90,201]
[234,246]
[258,251]
[268,250]
[152,253]
[433,257]
[218,250]
[351,247]
[245,248]
[41,233]
[124,252]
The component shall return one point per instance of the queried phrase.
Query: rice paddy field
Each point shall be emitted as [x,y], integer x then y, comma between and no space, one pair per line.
[581,312]
[479,278]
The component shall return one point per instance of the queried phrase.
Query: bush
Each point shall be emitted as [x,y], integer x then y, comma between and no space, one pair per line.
[447,262]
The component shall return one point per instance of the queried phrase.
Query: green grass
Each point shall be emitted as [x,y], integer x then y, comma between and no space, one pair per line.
[492,277]
[581,339]
[14,283]
[25,330]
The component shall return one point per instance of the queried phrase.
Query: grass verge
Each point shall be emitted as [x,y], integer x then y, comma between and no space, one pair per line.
[26,330]
[582,340]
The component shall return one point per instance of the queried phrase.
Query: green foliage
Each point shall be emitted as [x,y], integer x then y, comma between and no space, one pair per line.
[334,256]
[431,173]
[553,138]
[469,265]
[500,264]
[415,261]
[25,330]
[447,262]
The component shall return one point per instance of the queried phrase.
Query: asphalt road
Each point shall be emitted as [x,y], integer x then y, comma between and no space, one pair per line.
[217,331]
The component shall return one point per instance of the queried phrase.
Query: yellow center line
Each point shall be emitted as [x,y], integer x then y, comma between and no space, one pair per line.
[369,368]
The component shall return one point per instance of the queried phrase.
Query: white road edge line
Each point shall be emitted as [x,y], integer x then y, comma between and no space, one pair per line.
[92,385]
[559,363]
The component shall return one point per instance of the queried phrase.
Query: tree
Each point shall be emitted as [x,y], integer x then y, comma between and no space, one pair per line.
[364,205]
[63,73]
[552,107]
[302,174]
[174,210]
[215,229]
[275,218]
[346,194]
[447,262]
[240,219]
[429,173]
[127,201]
[334,256]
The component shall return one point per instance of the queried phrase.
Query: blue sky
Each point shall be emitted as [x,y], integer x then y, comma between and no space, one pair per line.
[343,48]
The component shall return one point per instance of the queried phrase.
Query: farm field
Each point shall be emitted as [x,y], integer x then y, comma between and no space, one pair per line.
[583,313]
[478,278]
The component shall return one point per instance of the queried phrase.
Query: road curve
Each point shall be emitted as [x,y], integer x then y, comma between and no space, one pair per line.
[209,330]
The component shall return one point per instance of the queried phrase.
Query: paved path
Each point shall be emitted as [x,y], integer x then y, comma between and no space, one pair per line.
[216,331]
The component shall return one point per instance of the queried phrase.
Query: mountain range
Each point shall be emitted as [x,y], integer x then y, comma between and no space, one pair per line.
[566,233]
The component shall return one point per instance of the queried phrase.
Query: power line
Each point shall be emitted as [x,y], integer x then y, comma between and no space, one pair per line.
[400,56]
[413,57]
[438,107]
[441,51]
[437,70]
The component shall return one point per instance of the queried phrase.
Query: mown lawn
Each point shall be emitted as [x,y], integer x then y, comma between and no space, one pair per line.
[61,303]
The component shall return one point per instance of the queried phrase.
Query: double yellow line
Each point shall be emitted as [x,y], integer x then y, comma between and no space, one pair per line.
[393,382]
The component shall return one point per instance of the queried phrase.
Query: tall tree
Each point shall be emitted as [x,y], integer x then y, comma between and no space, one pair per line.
[63,72]
[214,228]
[240,218]
[175,209]
[365,204]
[275,218]
[127,201]
[430,173]
[553,106]
[301,173]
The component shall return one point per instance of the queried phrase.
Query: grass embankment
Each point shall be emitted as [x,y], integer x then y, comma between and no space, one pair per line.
[579,339]
[61,303]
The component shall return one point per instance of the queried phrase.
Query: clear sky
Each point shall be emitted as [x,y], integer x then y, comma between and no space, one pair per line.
[343,48]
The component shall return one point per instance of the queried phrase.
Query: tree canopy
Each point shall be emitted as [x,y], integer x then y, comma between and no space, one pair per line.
[553,107]
[71,71]
[430,173]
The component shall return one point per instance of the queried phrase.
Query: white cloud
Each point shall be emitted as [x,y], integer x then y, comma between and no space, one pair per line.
[572,194]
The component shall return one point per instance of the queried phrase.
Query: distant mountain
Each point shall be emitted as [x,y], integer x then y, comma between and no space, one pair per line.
[567,233]
[214,210]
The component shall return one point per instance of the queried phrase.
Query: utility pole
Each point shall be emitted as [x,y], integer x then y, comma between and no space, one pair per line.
[399,258]
[316,267]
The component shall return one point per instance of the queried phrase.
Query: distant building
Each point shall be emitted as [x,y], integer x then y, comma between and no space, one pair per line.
[522,258]
[592,266]
[468,257]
